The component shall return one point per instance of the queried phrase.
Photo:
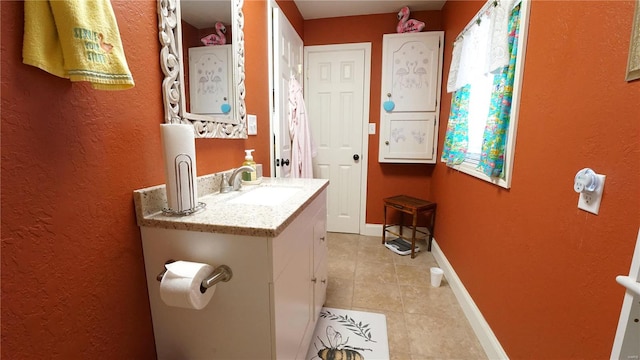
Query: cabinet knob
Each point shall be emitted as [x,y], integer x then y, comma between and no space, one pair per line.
[322,238]
[324,281]
[386,142]
[314,280]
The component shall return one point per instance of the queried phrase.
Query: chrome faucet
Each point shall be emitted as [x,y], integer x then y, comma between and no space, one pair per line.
[232,182]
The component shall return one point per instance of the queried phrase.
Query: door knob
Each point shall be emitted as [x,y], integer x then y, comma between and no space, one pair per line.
[356,157]
[284,162]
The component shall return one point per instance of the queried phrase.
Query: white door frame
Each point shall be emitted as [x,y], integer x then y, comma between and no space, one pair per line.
[288,50]
[271,4]
[364,153]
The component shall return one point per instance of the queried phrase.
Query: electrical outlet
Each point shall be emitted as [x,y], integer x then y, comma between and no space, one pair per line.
[590,200]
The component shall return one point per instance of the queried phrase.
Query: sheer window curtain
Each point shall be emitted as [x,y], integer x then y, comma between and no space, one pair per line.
[492,38]
[495,133]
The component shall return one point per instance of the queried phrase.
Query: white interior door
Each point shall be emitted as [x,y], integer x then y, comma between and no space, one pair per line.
[626,344]
[287,53]
[337,94]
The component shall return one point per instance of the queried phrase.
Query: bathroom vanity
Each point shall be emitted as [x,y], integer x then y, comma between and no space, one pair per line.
[272,236]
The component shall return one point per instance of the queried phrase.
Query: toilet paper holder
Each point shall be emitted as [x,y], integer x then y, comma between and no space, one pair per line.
[220,273]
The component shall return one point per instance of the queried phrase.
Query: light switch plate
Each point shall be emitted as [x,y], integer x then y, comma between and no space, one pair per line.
[372,128]
[252,125]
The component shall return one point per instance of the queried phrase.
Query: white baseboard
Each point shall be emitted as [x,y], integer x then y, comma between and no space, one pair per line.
[372,230]
[483,331]
[376,230]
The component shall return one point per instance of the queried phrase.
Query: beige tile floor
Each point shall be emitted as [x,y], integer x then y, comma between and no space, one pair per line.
[423,322]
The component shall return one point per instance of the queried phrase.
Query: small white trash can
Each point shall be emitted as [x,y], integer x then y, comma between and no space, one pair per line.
[436,276]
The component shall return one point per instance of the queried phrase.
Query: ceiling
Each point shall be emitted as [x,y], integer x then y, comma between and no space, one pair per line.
[316,9]
[204,14]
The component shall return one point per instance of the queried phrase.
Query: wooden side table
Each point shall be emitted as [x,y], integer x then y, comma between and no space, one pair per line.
[413,206]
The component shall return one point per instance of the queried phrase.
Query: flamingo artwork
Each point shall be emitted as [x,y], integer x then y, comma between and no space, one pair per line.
[105,46]
[408,25]
[219,38]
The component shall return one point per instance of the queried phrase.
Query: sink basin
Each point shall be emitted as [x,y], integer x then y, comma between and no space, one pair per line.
[266,195]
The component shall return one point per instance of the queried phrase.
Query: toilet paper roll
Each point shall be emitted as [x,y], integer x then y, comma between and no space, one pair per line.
[178,140]
[180,285]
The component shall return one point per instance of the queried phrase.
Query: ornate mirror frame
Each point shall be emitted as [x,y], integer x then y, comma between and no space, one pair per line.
[173,89]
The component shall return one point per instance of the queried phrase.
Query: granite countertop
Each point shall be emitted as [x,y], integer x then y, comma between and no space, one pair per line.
[222,216]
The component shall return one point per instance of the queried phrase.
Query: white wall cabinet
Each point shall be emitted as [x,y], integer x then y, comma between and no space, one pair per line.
[410,96]
[210,74]
[268,310]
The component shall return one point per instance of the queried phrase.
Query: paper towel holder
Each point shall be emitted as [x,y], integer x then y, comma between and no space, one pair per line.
[220,273]
[179,161]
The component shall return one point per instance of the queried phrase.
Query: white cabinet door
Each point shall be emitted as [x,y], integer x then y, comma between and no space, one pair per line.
[292,299]
[320,288]
[410,70]
[319,239]
[410,97]
[320,272]
[318,284]
[299,268]
[210,80]
[408,137]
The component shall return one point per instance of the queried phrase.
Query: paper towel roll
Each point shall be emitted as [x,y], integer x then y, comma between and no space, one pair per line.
[179,141]
[180,285]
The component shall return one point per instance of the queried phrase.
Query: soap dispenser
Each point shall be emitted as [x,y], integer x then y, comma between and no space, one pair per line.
[248,160]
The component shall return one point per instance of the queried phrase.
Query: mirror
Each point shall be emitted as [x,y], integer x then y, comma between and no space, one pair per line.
[225,116]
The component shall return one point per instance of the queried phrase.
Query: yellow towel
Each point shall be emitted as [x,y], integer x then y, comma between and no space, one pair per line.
[78,40]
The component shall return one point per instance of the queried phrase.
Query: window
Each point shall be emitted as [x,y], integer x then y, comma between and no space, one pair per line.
[485,77]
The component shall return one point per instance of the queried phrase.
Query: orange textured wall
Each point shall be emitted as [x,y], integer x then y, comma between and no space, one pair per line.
[541,271]
[290,10]
[257,83]
[383,179]
[73,281]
